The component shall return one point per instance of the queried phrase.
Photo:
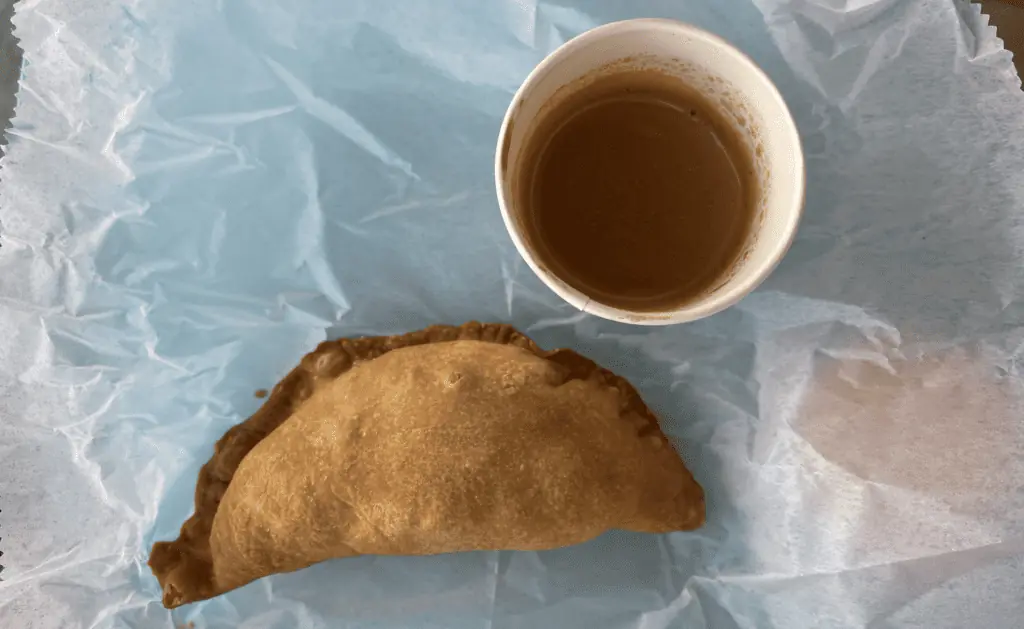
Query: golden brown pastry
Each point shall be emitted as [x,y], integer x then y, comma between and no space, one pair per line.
[443,440]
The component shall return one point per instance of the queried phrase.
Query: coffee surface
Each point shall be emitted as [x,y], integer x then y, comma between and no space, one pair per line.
[637,192]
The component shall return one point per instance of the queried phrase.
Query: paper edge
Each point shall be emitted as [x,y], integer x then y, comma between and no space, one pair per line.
[17,53]
[972,16]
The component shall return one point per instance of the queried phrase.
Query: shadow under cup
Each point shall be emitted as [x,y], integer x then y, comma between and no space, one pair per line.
[730,83]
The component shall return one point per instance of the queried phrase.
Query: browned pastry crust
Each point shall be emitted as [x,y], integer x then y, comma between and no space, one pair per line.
[184,567]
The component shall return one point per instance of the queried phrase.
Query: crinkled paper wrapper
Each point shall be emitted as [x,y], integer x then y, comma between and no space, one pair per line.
[198,192]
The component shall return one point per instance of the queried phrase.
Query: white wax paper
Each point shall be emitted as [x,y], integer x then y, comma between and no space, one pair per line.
[199,191]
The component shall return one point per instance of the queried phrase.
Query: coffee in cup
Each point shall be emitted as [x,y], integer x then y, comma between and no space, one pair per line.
[636,191]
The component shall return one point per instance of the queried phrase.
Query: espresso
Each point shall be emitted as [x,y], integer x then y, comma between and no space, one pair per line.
[636,192]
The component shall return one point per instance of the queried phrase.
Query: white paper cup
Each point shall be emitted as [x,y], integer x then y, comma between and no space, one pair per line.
[727,78]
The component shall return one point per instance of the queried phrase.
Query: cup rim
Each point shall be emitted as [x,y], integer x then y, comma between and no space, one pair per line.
[729,295]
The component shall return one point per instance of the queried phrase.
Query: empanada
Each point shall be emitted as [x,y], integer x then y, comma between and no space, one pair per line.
[448,439]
